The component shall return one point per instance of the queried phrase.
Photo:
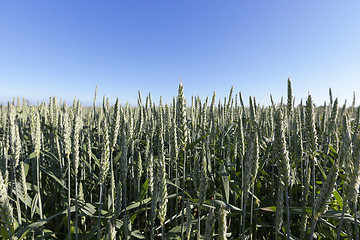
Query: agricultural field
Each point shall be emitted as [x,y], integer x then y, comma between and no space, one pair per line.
[192,169]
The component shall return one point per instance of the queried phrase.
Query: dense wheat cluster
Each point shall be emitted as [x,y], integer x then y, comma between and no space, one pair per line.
[187,170]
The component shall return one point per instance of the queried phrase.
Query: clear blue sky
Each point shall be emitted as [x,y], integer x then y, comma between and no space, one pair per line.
[65,48]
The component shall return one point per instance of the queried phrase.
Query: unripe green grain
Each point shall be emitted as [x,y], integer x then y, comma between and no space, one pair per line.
[326,190]
[283,161]
[115,125]
[311,137]
[35,130]
[105,156]
[203,179]
[6,211]
[76,137]
[222,224]
[210,222]
[290,101]
[162,171]
[181,117]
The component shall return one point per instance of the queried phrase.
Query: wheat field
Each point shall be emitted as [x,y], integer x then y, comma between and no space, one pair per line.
[190,169]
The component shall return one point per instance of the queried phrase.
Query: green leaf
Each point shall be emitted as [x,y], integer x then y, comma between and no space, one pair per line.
[144,190]
[320,168]
[4,232]
[87,208]
[24,235]
[117,158]
[32,155]
[293,210]
[136,214]
[192,144]
[137,234]
[50,155]
[96,160]
[20,195]
[337,215]
[137,204]
[34,205]
[268,209]
[179,193]
[26,168]
[333,151]
[39,223]
[174,233]
[51,175]
[338,198]
[225,205]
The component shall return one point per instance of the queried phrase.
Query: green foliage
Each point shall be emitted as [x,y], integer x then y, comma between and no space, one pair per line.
[194,167]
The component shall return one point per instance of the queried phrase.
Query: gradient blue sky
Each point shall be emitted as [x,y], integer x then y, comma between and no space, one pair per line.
[65,48]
